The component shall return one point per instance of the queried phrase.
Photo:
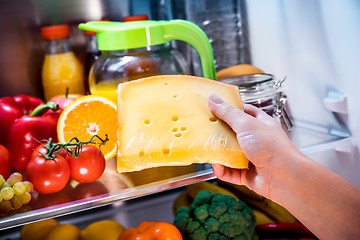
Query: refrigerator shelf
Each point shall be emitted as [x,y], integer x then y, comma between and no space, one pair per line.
[309,138]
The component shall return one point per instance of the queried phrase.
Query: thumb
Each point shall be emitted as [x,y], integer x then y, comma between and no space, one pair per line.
[233,116]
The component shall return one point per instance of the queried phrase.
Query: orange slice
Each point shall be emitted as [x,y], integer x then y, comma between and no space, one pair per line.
[88,116]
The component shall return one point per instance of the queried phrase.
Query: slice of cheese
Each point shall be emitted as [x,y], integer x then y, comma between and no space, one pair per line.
[165,121]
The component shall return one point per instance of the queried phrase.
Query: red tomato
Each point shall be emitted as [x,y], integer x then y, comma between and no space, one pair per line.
[43,150]
[89,166]
[5,168]
[48,175]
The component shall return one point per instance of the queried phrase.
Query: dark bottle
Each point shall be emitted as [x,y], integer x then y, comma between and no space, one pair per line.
[92,54]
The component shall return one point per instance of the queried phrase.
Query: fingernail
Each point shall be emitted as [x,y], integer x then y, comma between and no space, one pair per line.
[215,99]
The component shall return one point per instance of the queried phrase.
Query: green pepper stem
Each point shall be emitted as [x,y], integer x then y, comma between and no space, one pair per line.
[41,109]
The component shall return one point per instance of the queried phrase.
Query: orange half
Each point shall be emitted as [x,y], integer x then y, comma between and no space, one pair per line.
[88,116]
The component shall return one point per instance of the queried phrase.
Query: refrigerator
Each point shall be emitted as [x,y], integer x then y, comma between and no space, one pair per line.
[315,44]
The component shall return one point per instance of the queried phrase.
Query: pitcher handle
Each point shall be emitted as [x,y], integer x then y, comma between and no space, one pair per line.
[192,34]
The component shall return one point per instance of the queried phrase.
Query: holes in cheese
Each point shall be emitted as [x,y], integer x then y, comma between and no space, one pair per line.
[178,134]
[213,119]
[182,131]
[166,151]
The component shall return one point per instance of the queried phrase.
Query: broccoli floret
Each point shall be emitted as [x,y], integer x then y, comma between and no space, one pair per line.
[231,229]
[237,205]
[216,216]
[212,225]
[217,209]
[199,234]
[216,236]
[202,198]
[192,226]
[201,213]
[218,197]
[182,219]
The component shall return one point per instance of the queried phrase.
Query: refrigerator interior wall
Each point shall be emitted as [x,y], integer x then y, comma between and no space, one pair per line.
[316,44]
[21,45]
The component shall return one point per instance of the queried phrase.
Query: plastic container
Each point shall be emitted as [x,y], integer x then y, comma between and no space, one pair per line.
[225,23]
[61,70]
[264,92]
[136,49]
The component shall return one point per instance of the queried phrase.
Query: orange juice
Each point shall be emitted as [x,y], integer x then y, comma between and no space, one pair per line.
[61,71]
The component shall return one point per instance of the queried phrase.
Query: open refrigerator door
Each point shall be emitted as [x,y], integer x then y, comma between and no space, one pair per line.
[314,44]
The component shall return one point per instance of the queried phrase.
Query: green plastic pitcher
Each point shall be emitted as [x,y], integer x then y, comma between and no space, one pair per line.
[112,36]
[131,50]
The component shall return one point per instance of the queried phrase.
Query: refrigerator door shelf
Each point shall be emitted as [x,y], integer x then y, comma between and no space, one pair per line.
[309,138]
[336,102]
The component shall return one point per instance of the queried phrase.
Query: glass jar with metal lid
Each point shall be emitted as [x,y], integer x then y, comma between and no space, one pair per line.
[264,92]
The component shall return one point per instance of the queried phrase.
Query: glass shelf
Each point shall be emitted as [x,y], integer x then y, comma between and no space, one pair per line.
[112,187]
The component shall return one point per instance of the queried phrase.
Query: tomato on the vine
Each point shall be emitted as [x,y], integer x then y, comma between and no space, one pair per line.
[5,168]
[48,175]
[43,150]
[88,166]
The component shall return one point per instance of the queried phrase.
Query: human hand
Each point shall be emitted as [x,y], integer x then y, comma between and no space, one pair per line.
[263,142]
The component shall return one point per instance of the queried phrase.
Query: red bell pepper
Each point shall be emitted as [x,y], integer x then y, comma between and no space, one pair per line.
[150,230]
[12,108]
[284,230]
[26,131]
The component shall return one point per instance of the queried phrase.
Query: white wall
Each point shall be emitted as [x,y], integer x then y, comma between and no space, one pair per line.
[316,43]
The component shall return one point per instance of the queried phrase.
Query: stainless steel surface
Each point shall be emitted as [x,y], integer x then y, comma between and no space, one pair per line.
[307,137]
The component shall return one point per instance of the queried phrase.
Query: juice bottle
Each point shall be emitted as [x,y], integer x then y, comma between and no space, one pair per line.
[61,69]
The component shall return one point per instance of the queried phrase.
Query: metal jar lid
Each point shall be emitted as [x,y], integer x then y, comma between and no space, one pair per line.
[261,87]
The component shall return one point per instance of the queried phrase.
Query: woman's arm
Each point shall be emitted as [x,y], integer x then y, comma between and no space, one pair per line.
[324,202]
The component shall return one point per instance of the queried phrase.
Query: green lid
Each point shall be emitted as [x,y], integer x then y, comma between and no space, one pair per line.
[113,36]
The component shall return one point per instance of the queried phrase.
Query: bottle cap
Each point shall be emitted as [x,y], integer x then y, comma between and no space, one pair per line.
[55,32]
[143,17]
[89,33]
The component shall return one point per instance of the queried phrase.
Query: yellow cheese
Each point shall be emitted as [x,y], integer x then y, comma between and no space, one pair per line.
[165,121]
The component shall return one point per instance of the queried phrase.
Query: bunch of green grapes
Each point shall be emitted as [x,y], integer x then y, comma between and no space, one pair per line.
[14,192]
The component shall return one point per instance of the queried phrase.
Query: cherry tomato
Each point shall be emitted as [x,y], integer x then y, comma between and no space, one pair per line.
[48,175]
[5,168]
[87,167]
